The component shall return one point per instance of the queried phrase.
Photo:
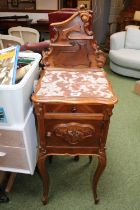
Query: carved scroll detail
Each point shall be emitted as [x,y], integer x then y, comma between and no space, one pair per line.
[73,132]
[85,16]
[56,34]
[45,57]
[39,110]
[90,33]
[100,58]
[107,113]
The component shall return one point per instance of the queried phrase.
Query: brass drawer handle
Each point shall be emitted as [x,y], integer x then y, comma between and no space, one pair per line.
[73,109]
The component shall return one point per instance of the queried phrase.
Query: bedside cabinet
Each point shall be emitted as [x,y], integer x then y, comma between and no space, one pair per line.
[73,110]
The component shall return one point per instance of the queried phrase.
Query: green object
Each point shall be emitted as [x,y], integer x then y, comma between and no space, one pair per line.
[2,115]
[25,60]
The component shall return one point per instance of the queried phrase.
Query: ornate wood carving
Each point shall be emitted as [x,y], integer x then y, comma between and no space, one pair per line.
[73,132]
[85,16]
[58,102]
[74,37]
[107,113]
[39,110]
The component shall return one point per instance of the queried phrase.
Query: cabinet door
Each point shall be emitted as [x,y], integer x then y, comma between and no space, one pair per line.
[74,133]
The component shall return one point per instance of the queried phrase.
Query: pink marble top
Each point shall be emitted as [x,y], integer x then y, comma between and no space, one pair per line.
[74,84]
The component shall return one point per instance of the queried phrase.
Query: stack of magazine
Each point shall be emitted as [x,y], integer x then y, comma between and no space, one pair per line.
[8,65]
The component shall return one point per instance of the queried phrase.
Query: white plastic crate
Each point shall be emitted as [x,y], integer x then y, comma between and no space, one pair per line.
[15,100]
[18,146]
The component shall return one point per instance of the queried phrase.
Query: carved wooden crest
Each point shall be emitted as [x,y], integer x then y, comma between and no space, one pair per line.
[73,132]
[74,44]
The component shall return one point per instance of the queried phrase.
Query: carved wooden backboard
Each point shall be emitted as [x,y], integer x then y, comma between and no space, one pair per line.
[74,45]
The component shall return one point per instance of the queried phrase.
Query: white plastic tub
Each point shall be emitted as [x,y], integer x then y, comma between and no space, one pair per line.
[15,99]
[18,146]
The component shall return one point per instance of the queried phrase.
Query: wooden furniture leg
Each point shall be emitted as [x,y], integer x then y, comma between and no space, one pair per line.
[100,168]
[44,176]
[10,182]
[3,176]
[3,196]
[50,158]
[76,158]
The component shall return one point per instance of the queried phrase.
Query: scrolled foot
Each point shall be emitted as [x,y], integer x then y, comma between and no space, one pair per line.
[100,168]
[96,200]
[44,200]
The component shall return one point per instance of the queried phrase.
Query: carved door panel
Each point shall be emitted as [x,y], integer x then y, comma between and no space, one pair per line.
[73,132]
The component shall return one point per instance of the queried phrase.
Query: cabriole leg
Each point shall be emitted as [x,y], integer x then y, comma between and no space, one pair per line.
[100,168]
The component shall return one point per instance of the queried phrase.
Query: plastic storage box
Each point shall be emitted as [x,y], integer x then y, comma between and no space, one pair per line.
[15,99]
[18,146]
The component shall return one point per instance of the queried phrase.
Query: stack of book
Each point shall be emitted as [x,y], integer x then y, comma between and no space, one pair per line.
[8,65]
[12,66]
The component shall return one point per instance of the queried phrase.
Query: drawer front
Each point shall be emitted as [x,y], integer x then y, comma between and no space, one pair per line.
[11,157]
[74,133]
[11,138]
[74,108]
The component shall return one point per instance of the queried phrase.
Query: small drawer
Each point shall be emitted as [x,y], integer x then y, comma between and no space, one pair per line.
[11,157]
[73,108]
[11,138]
